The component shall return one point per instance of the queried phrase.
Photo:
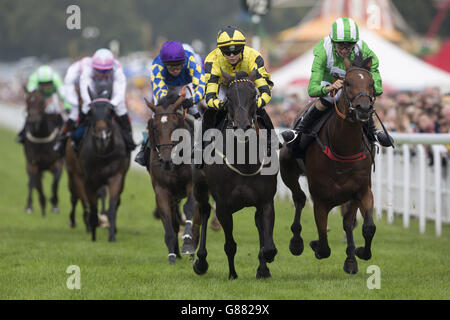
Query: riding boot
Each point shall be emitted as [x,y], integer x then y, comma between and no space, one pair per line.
[21,136]
[375,135]
[143,156]
[304,125]
[127,133]
[64,134]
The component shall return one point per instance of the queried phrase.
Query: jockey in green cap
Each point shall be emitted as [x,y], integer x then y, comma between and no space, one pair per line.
[342,42]
[48,82]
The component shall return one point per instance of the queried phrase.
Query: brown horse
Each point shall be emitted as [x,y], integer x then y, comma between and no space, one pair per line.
[41,130]
[235,185]
[171,182]
[338,169]
[104,161]
[76,182]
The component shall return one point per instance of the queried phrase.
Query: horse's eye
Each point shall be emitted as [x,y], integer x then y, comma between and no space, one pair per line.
[346,83]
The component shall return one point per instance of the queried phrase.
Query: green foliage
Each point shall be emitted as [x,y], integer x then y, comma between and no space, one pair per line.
[35,253]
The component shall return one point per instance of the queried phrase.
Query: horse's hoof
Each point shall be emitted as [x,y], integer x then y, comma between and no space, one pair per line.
[112,239]
[199,267]
[351,266]
[232,276]
[363,254]
[172,259]
[319,254]
[72,224]
[191,257]
[263,273]
[28,210]
[269,255]
[103,221]
[188,247]
[55,210]
[296,246]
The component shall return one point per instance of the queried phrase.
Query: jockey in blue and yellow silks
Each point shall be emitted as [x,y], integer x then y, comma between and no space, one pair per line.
[174,68]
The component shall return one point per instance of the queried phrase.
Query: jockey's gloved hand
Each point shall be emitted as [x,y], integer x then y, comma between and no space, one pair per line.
[224,103]
[187,103]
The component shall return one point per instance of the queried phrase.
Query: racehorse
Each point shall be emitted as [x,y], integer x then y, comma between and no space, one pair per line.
[41,131]
[171,182]
[238,185]
[338,168]
[104,161]
[76,182]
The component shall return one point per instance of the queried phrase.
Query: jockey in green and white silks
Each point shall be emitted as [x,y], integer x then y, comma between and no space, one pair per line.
[51,86]
[343,41]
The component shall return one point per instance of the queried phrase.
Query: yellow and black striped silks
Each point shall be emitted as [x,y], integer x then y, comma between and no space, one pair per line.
[251,60]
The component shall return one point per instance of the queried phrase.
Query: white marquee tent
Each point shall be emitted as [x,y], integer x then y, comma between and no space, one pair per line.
[399,70]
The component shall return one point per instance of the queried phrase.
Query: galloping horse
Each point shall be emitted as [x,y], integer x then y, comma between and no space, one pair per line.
[171,182]
[104,161]
[41,131]
[338,169]
[238,185]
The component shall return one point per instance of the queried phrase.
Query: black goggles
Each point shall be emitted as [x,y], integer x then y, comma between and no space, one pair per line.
[226,51]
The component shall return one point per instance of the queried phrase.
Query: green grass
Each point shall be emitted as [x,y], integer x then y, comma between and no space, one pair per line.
[35,253]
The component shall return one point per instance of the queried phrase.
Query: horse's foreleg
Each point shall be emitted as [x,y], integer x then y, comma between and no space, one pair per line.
[115,185]
[264,220]
[188,208]
[368,228]
[320,247]
[290,173]
[226,220]
[202,205]
[57,171]
[163,203]
[31,178]
[349,218]
[93,218]
[38,184]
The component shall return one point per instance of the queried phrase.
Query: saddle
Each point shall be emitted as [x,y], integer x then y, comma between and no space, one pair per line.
[299,147]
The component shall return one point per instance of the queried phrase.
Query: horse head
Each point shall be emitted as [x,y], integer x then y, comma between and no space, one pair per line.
[166,118]
[35,110]
[101,115]
[241,96]
[359,89]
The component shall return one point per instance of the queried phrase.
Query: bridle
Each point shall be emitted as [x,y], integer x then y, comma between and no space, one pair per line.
[254,123]
[162,145]
[351,107]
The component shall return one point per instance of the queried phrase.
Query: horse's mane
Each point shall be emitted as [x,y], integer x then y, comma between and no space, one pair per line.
[169,99]
[360,62]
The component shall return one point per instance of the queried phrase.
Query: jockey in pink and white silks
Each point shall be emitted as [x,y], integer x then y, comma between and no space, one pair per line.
[105,73]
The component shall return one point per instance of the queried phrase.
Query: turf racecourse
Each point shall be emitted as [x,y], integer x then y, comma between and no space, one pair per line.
[35,253]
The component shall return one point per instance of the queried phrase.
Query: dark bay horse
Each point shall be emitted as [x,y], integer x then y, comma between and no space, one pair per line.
[171,182]
[41,130]
[104,161]
[235,185]
[338,169]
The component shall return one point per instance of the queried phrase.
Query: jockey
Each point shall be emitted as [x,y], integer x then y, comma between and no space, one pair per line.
[175,67]
[343,41]
[105,73]
[231,56]
[48,82]
[72,85]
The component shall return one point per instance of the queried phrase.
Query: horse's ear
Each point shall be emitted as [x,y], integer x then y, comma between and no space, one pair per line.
[226,77]
[150,105]
[252,76]
[368,63]
[179,101]
[347,63]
